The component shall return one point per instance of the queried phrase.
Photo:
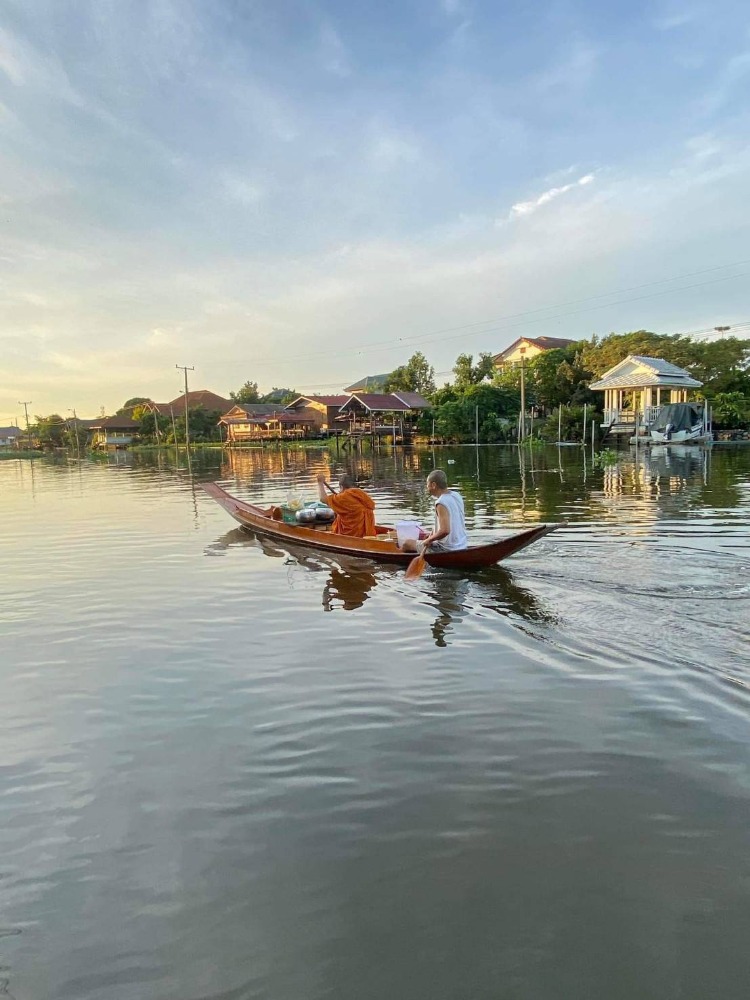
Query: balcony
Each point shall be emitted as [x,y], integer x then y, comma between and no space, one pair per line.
[645,417]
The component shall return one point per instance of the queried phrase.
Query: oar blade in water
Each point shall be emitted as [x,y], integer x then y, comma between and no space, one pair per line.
[415,568]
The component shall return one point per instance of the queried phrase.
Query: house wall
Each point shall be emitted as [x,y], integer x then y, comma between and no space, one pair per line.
[515,355]
[316,412]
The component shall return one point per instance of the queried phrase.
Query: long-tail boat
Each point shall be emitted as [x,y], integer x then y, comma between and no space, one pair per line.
[381,548]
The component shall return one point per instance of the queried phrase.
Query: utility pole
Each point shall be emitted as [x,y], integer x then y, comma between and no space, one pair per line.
[186,369]
[522,351]
[78,446]
[26,404]
[721,330]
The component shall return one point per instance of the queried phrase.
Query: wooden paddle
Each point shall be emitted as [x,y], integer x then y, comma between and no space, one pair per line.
[415,568]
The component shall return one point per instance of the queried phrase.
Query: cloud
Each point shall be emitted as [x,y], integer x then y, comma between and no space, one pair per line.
[388,149]
[734,73]
[522,208]
[454,8]
[676,15]
[573,70]
[241,189]
[334,55]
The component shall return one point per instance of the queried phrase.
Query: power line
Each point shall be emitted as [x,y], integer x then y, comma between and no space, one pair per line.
[459,331]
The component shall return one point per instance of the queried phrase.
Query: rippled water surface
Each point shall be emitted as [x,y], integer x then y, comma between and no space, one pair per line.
[232,771]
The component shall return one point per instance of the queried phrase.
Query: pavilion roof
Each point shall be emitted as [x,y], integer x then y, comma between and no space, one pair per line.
[636,371]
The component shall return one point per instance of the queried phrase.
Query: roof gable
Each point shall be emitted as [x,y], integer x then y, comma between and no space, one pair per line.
[321,400]
[541,343]
[638,370]
[201,397]
[377,402]
[414,400]
[370,383]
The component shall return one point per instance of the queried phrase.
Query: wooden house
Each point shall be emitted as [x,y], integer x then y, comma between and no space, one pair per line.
[10,437]
[526,348]
[371,412]
[258,421]
[636,388]
[321,410]
[113,432]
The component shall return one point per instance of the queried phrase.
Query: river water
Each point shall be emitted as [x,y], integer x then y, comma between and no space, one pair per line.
[229,771]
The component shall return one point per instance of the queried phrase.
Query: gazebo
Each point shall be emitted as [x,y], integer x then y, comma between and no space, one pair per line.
[636,388]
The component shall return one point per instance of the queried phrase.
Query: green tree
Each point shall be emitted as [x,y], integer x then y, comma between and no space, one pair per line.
[50,431]
[467,373]
[417,375]
[456,413]
[277,395]
[731,410]
[248,393]
[148,421]
[130,403]
[715,363]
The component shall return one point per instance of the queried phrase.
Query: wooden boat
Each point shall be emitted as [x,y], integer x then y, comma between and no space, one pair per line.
[383,550]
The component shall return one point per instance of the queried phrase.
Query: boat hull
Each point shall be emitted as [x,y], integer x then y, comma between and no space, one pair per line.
[475,557]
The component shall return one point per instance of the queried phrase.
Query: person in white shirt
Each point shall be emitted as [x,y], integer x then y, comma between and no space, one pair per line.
[449,533]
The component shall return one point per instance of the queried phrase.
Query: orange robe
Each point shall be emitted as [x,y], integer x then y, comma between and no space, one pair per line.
[354,512]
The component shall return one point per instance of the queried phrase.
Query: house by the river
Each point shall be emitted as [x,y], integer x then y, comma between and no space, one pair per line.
[526,348]
[10,437]
[636,389]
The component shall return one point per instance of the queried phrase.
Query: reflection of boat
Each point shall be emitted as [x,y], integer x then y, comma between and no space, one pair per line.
[680,423]
[475,557]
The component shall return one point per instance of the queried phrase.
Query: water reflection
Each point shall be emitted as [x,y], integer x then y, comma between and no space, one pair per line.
[349,583]
[347,590]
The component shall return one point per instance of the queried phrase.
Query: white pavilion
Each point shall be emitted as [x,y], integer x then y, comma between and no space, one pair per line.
[637,387]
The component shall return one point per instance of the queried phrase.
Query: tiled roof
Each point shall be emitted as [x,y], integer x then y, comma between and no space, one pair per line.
[380,402]
[323,400]
[634,380]
[542,343]
[292,418]
[7,432]
[636,370]
[369,382]
[201,397]
[119,422]
[412,399]
[657,364]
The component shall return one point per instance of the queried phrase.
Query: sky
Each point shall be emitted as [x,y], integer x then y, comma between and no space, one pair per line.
[305,193]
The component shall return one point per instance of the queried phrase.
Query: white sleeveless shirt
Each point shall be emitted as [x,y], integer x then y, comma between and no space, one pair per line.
[454,504]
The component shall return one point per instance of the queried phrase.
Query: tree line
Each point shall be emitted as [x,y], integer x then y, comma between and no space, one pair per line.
[560,378]
[553,379]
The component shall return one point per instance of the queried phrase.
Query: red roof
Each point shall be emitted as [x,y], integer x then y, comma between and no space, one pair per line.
[323,400]
[377,401]
[291,418]
[201,397]
[413,400]
[120,422]
[542,343]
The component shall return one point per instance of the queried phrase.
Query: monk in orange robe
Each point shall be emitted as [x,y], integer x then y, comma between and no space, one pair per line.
[354,508]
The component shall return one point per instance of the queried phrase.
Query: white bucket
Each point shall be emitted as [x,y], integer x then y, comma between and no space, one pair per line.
[406,529]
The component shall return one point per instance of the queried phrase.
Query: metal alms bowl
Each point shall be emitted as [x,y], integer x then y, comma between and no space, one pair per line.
[306,515]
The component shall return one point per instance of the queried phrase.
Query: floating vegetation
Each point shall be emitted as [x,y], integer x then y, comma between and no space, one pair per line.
[604,458]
